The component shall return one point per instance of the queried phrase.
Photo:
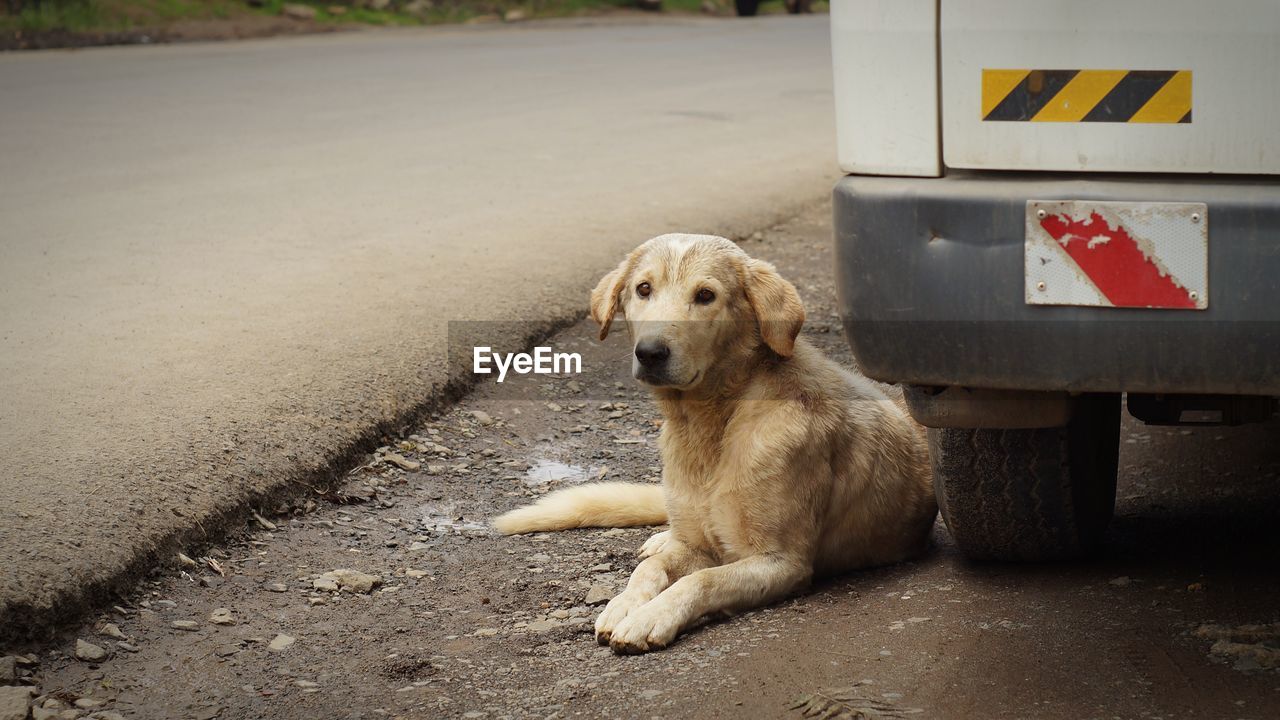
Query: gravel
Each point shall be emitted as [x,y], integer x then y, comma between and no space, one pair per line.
[598,595]
[222,616]
[345,579]
[112,630]
[280,643]
[14,702]
[89,652]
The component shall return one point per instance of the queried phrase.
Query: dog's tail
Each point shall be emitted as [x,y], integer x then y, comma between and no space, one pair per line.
[612,504]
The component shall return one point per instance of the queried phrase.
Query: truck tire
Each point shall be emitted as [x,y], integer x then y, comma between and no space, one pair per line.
[747,8]
[1030,495]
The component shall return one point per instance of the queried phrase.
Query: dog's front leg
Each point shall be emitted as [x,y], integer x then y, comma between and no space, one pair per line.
[653,575]
[750,582]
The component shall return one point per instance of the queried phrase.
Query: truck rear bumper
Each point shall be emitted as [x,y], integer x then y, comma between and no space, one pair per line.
[930,277]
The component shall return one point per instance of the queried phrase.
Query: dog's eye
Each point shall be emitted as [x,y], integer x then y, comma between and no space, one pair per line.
[704,297]
[643,290]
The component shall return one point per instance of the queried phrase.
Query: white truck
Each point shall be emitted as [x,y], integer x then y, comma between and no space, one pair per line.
[1052,205]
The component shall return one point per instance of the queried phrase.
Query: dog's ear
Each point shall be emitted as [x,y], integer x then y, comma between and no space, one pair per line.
[776,305]
[606,298]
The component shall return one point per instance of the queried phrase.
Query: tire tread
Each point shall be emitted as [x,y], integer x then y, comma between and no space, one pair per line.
[1028,495]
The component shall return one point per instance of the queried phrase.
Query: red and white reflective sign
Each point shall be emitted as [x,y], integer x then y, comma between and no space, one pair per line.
[1117,254]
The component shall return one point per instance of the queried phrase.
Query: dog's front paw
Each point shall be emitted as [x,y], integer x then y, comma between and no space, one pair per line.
[615,612]
[655,544]
[649,627]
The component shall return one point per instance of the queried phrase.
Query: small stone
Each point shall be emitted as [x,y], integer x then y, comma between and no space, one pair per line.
[602,567]
[278,587]
[541,626]
[650,694]
[89,652]
[306,684]
[263,522]
[298,11]
[8,670]
[1122,581]
[40,714]
[401,461]
[185,561]
[85,703]
[187,625]
[415,574]
[482,417]
[166,604]
[598,594]
[485,632]
[280,643]
[14,702]
[559,614]
[106,715]
[347,579]
[222,616]
[112,630]
[474,714]
[127,647]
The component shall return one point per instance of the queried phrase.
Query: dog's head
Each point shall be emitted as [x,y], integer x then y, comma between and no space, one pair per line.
[694,303]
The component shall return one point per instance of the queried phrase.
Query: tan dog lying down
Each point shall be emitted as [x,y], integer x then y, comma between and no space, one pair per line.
[778,464]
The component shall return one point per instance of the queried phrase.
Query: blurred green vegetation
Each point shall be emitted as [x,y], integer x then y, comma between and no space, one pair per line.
[105,16]
[109,15]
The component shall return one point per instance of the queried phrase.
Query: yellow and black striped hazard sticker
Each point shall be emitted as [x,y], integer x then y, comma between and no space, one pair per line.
[1125,96]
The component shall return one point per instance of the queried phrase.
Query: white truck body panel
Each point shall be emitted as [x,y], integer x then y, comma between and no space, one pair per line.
[1231,49]
[886,86]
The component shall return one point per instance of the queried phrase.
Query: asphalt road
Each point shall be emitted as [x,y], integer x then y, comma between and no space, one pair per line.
[469,624]
[226,266]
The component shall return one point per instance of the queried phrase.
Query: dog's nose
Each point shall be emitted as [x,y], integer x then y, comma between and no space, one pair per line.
[652,353]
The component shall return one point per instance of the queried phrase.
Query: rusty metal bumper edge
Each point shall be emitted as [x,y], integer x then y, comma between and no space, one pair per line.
[930,278]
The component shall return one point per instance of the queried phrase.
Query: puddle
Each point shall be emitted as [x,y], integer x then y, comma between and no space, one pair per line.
[1247,647]
[544,470]
[443,519]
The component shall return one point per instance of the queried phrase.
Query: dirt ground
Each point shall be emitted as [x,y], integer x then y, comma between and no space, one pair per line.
[465,623]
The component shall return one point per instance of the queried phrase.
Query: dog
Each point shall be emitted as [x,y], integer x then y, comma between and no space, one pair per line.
[778,465]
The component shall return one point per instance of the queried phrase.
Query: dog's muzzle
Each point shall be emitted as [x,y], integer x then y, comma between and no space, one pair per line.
[650,364]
